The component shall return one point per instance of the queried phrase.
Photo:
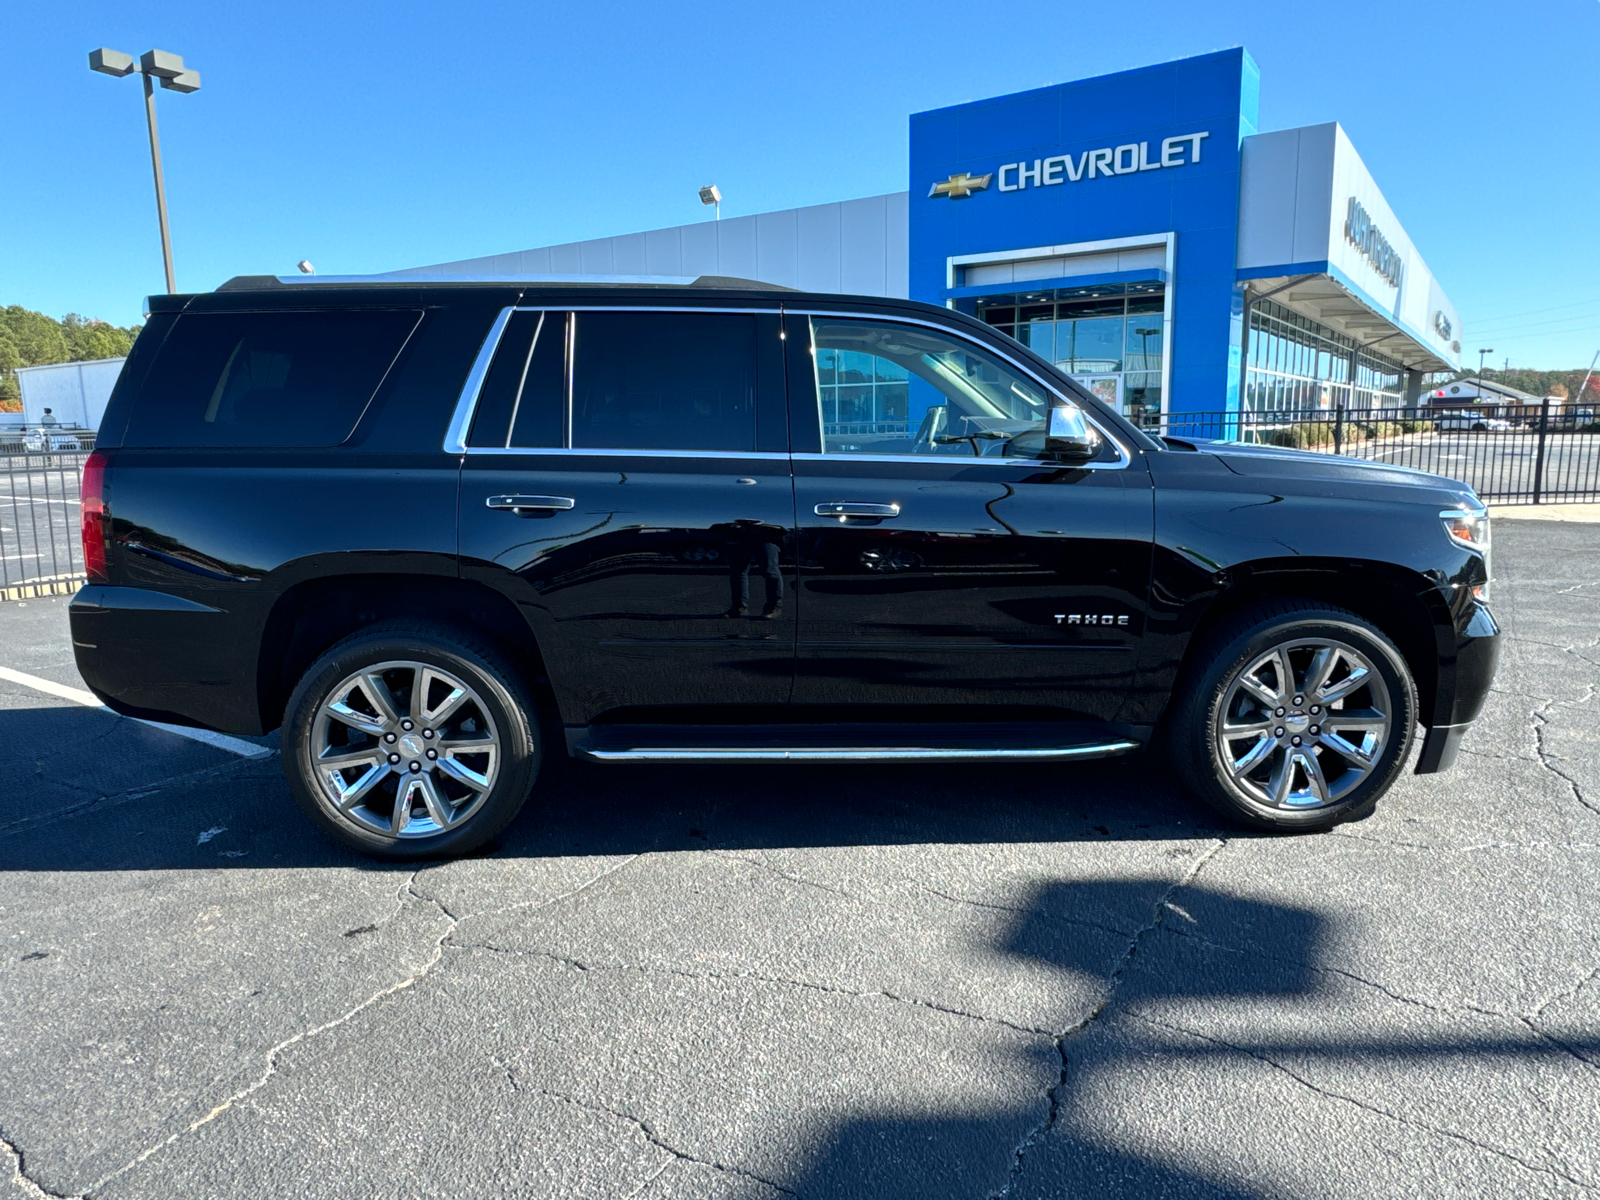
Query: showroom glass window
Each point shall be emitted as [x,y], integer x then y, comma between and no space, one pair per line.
[1296,364]
[1109,337]
[887,388]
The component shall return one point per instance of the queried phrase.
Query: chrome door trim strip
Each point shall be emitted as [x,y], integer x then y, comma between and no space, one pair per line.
[461,420]
[583,451]
[925,459]
[1124,457]
[842,754]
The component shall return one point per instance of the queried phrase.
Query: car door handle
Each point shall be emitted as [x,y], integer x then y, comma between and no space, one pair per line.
[853,508]
[531,503]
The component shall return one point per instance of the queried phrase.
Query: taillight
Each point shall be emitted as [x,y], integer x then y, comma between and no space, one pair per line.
[95,531]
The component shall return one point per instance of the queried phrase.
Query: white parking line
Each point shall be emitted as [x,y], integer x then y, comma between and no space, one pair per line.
[221,741]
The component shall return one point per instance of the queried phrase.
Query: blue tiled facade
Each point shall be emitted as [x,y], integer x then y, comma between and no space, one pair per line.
[1197,201]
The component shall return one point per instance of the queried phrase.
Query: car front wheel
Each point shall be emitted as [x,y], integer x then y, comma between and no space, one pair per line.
[1298,717]
[410,742]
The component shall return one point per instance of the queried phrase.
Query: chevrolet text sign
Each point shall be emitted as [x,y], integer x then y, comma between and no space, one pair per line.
[1127,159]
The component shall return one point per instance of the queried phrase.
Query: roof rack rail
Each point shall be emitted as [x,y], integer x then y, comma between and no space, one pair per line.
[253,283]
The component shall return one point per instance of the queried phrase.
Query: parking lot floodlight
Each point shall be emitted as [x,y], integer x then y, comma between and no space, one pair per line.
[305,267]
[166,68]
[187,81]
[110,62]
[711,194]
[161,64]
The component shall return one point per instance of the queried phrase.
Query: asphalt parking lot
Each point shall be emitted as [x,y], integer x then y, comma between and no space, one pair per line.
[811,981]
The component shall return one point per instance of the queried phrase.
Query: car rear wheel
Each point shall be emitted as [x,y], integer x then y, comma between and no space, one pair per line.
[1298,717]
[411,742]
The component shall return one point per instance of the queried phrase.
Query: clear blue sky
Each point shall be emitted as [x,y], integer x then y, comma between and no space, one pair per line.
[370,137]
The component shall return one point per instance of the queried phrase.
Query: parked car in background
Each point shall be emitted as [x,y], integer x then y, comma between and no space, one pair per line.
[51,441]
[1469,422]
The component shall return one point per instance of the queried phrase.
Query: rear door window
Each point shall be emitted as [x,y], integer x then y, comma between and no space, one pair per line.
[664,381]
[266,378]
[523,401]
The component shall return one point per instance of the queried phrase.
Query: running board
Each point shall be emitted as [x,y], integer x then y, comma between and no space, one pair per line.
[851,754]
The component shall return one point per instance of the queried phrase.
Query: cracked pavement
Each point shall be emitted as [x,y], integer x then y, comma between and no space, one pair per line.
[812,981]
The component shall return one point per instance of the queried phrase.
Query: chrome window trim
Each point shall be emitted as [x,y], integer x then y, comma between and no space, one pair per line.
[1054,464]
[1124,457]
[466,405]
[577,451]
[682,308]
[461,420]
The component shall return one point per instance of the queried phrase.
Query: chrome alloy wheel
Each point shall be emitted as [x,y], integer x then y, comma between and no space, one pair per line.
[1303,724]
[404,749]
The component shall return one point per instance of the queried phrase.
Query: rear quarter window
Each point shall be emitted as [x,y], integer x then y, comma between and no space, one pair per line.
[292,379]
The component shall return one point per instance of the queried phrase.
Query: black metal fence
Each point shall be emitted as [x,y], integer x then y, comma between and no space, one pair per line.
[1542,454]
[1509,454]
[40,551]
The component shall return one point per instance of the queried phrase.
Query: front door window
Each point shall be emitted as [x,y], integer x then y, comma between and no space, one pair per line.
[897,389]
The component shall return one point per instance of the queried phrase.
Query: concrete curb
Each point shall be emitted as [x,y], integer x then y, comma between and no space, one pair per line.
[1588,513]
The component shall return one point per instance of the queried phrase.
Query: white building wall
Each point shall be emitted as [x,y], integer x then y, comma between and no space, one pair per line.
[75,393]
[860,247]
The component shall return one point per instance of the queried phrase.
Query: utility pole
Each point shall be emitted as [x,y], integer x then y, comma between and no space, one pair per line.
[169,69]
[1579,397]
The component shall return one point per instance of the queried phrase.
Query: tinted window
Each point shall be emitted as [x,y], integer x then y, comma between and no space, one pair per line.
[525,389]
[266,379]
[664,381]
[897,389]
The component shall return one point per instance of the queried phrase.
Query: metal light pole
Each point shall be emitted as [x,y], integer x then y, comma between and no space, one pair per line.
[169,69]
[711,194]
[1482,354]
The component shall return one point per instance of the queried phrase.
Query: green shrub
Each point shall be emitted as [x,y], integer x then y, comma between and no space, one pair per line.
[1301,437]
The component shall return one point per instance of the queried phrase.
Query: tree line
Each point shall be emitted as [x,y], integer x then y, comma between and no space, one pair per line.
[31,339]
[1561,384]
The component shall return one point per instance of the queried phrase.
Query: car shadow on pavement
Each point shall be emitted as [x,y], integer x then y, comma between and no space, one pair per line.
[1188,1004]
[81,789]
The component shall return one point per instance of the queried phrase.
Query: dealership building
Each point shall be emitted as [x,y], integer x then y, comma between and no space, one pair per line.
[1133,228]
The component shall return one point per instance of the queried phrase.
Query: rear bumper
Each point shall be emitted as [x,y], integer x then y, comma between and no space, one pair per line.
[162,657]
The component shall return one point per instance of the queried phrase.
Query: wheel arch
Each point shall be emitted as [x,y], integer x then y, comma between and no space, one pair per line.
[1405,606]
[313,615]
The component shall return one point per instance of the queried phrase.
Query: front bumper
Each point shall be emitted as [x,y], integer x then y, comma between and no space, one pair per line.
[1465,676]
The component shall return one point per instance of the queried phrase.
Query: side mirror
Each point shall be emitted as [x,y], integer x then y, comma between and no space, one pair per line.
[1068,433]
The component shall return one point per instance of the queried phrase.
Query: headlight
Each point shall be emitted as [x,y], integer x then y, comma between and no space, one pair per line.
[1469,526]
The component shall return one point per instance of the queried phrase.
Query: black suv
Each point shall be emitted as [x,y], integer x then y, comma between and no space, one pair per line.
[437,531]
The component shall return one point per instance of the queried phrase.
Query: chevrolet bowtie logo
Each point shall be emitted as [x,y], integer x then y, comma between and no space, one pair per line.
[959,187]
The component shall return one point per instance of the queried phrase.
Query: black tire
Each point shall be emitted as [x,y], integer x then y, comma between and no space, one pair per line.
[1480,427]
[496,713]
[1342,790]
